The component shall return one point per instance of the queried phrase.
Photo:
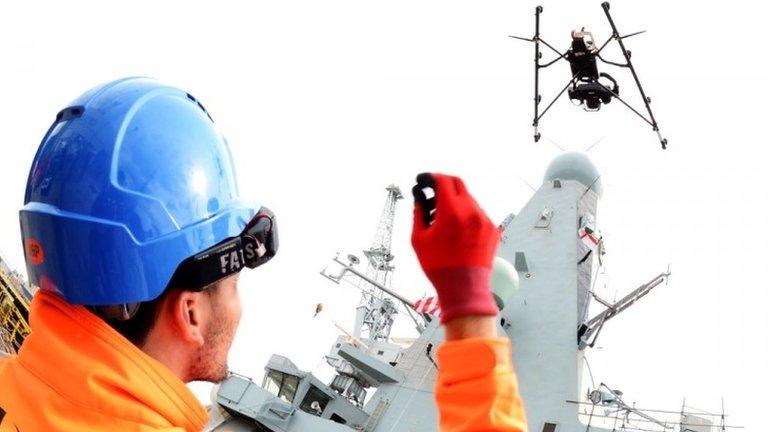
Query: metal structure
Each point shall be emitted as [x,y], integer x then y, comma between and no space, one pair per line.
[585,84]
[14,309]
[378,390]
[380,253]
[589,331]
[376,311]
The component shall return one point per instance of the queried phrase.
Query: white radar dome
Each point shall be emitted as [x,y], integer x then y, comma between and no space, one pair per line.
[575,166]
[504,281]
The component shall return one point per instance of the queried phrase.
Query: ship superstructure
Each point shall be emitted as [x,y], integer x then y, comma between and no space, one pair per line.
[555,248]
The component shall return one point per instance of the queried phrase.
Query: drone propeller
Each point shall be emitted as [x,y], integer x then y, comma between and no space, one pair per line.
[632,34]
[521,38]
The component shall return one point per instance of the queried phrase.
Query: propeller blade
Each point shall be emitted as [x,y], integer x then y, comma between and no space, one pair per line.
[521,38]
[632,34]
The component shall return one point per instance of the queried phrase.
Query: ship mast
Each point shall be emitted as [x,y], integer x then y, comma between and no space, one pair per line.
[376,311]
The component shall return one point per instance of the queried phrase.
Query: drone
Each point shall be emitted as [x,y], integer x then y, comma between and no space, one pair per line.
[588,87]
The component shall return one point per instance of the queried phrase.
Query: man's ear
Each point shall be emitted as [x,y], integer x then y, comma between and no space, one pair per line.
[187,310]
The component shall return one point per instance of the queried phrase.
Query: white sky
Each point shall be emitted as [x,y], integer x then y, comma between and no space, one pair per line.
[325,103]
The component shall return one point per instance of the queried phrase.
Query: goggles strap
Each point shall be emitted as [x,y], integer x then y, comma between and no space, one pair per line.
[120,312]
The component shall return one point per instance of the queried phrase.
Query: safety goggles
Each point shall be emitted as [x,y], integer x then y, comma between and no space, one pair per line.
[256,245]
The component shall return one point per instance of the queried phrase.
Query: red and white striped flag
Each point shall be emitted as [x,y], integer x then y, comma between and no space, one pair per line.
[588,238]
[427,305]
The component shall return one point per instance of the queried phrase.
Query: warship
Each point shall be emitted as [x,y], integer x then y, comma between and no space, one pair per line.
[543,282]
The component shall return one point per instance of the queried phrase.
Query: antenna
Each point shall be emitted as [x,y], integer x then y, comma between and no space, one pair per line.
[555,144]
[722,414]
[526,183]
[376,312]
[682,415]
[594,144]
[590,330]
[380,253]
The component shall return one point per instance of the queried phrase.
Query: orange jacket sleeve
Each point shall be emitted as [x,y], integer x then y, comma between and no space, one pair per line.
[477,388]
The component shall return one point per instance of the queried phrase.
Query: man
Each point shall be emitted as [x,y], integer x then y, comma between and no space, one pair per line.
[134,232]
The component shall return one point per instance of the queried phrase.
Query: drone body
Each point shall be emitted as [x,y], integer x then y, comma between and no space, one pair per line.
[586,88]
[587,85]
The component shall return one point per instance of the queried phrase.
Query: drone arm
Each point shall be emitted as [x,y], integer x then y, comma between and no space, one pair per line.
[552,48]
[559,54]
[605,44]
[552,62]
[611,62]
[554,100]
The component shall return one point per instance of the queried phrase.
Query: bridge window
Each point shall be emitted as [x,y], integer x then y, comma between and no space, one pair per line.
[281,385]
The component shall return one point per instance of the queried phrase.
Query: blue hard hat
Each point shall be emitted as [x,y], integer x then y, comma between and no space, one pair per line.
[131,179]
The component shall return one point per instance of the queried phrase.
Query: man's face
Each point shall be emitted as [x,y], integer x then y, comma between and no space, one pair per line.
[225,310]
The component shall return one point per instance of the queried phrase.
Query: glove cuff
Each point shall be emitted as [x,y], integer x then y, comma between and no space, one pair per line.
[463,291]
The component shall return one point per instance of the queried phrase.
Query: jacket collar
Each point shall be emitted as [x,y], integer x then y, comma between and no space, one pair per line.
[86,361]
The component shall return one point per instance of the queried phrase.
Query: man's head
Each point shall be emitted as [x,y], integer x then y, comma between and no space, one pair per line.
[221,311]
[132,209]
[189,331]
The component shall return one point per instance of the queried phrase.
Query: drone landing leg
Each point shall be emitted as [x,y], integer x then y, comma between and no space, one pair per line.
[627,55]
[536,95]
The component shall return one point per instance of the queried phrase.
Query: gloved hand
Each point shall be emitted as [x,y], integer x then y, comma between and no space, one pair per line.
[455,243]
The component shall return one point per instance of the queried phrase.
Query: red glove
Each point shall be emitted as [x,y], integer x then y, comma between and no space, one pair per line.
[455,242]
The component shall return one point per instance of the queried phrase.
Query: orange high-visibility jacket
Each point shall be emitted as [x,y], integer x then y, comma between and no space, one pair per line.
[75,373]
[476,387]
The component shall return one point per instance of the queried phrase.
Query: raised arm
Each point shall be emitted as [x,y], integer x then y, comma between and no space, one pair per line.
[455,243]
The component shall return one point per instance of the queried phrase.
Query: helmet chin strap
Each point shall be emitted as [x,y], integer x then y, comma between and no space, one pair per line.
[121,312]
